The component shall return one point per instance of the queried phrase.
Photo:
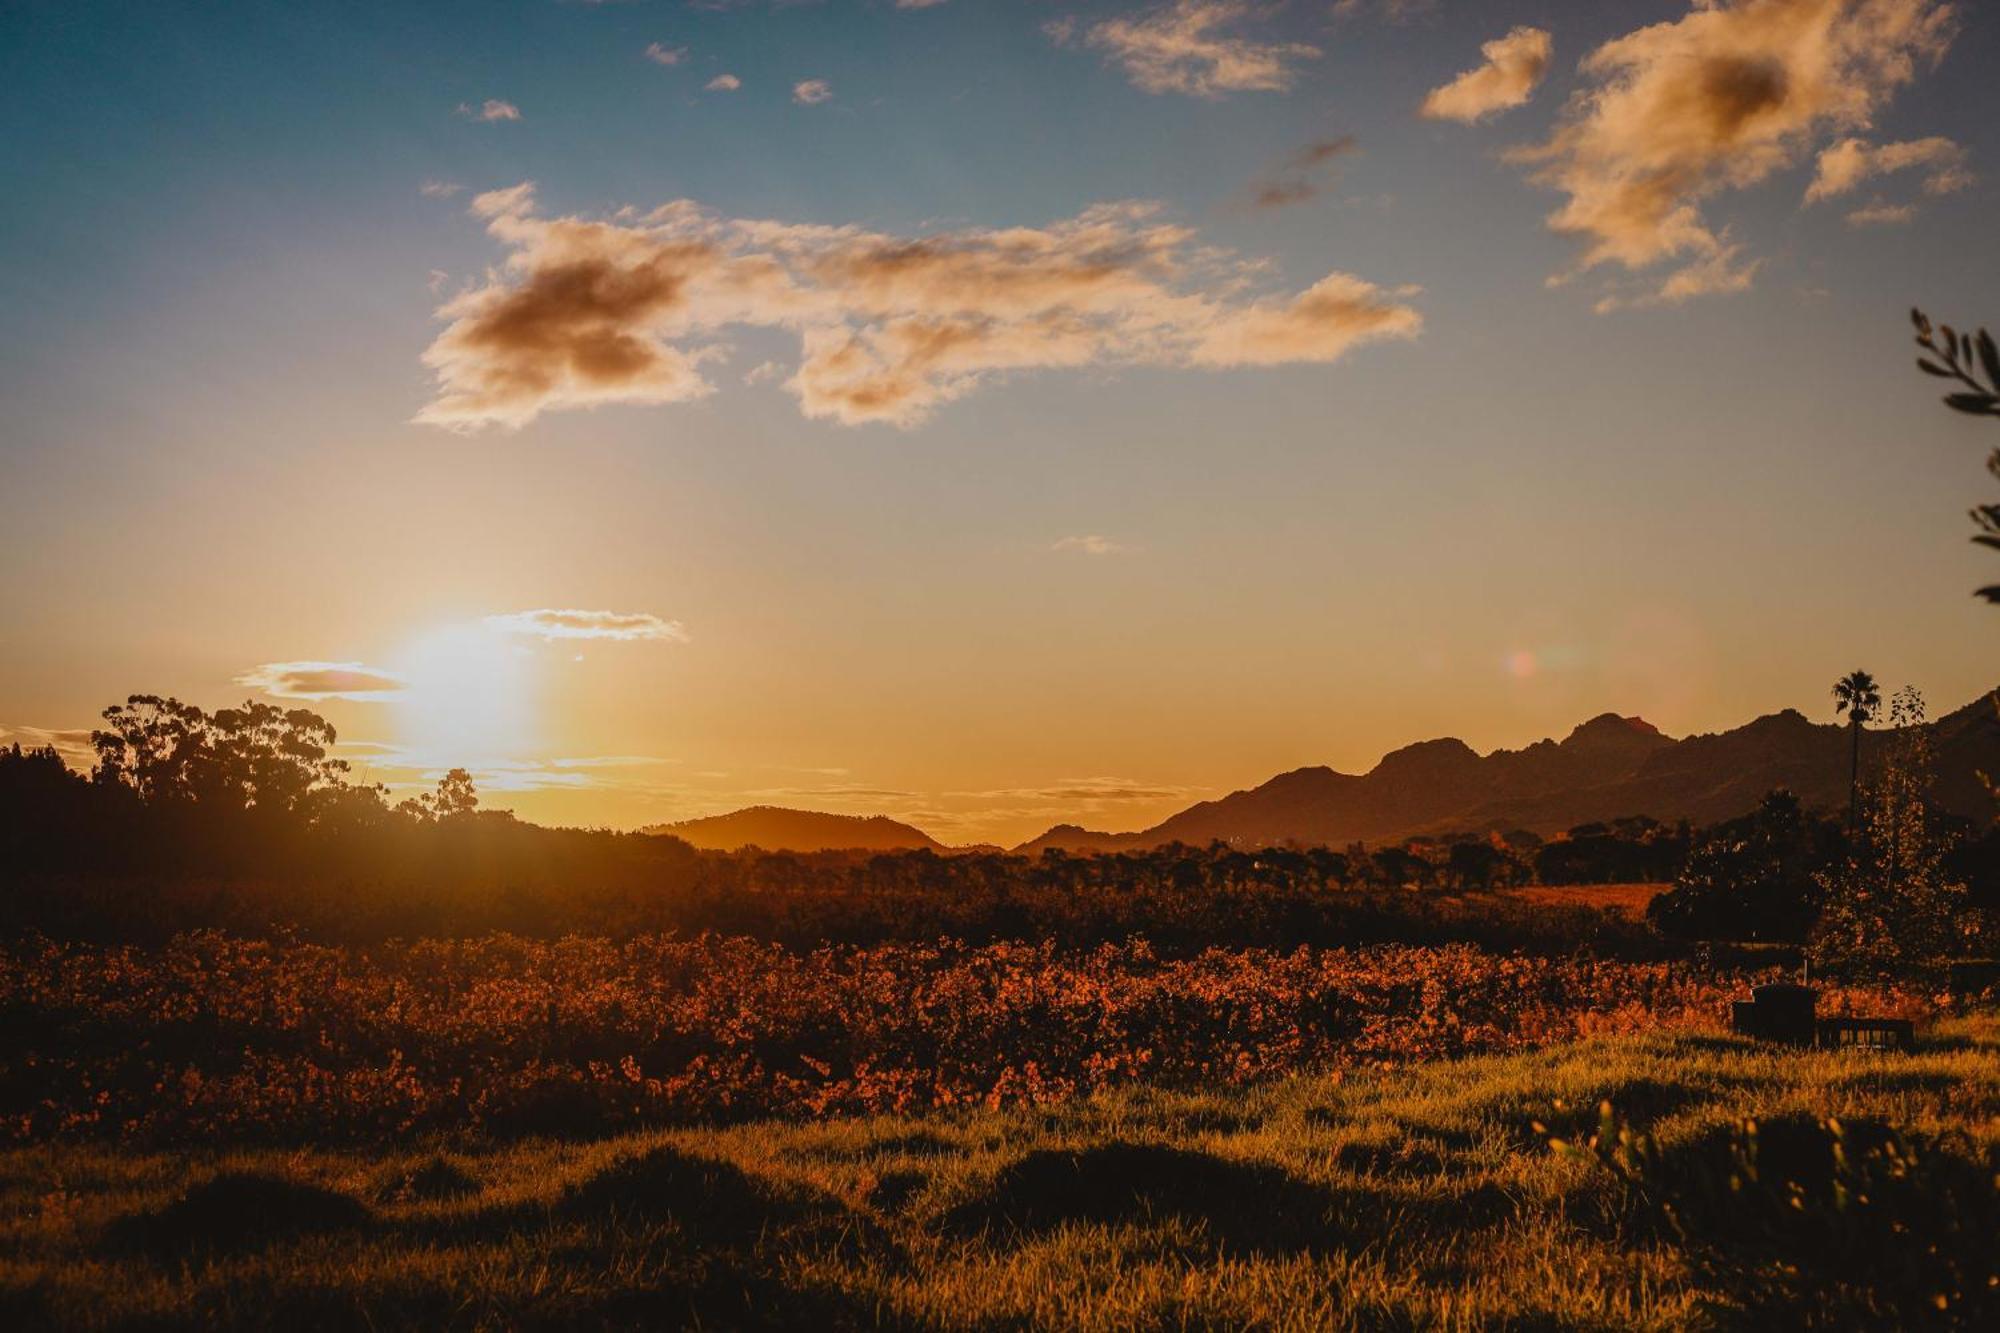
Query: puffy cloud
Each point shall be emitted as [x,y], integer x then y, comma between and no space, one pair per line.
[665,55]
[723,83]
[1304,174]
[1882,214]
[1718,100]
[1848,163]
[1513,70]
[1093,544]
[573,624]
[627,310]
[811,92]
[323,680]
[1176,49]
[490,110]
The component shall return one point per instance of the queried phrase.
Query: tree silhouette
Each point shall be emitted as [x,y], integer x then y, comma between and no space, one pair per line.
[1964,357]
[455,795]
[1857,695]
[258,756]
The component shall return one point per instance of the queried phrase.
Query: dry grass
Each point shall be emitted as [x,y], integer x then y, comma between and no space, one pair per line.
[1422,1198]
[1627,899]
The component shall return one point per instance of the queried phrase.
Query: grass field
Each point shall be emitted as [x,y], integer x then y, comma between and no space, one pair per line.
[1425,1197]
[1629,899]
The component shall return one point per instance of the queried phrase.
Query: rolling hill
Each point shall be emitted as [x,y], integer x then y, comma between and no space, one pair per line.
[777,829]
[1606,768]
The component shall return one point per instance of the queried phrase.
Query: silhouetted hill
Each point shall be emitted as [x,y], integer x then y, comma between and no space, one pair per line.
[1607,768]
[776,829]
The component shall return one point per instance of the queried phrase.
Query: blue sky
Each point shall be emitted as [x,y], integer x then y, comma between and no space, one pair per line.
[220,272]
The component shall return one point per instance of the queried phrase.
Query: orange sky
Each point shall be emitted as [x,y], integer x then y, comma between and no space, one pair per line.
[978,419]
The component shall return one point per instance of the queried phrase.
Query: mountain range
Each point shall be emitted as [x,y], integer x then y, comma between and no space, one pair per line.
[1607,768]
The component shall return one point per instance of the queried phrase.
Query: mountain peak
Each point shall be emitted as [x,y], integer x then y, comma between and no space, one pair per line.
[1445,752]
[1613,728]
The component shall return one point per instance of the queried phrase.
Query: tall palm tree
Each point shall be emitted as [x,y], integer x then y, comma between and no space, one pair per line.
[1857,695]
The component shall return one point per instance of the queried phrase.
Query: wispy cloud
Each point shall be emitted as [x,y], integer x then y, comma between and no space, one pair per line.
[436,189]
[1513,70]
[1718,100]
[490,110]
[1881,213]
[314,681]
[1303,175]
[811,92]
[1846,164]
[723,83]
[628,309]
[627,626]
[665,55]
[1177,48]
[71,743]
[1092,544]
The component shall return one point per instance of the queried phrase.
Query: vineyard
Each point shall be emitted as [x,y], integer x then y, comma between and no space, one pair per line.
[217,1038]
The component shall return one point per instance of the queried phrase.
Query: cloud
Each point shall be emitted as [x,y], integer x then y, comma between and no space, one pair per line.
[629,309]
[323,680]
[811,92]
[490,110]
[763,370]
[1723,271]
[1719,100]
[1881,213]
[1513,69]
[434,189]
[573,624]
[1176,49]
[723,83]
[666,55]
[72,744]
[1303,175]
[918,4]
[1093,544]
[1396,11]
[1846,164]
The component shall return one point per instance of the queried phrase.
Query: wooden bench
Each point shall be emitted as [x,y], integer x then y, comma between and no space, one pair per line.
[1867,1034]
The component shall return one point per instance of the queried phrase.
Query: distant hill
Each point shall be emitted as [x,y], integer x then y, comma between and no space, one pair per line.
[1607,768]
[777,829]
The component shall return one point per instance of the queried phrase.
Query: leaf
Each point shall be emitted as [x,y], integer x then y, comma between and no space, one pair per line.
[1989,357]
[1933,368]
[1991,593]
[1979,404]
[1950,340]
[1984,540]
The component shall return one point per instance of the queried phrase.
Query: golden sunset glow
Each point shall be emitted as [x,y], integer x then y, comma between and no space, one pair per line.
[1216,390]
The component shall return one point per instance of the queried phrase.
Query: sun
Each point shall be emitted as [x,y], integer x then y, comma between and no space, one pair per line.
[468,697]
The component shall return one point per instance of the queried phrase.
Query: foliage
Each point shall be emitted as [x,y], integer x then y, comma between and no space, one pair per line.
[1410,1198]
[1751,879]
[1815,1220]
[1891,904]
[1963,357]
[1856,697]
[258,756]
[213,1038]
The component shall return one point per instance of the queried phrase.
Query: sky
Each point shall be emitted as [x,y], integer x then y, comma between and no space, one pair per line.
[985,414]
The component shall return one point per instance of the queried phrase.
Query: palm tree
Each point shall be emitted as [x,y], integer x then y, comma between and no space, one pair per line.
[1856,695]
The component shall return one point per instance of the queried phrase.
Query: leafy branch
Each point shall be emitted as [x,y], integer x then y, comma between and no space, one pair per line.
[1957,352]
[1964,357]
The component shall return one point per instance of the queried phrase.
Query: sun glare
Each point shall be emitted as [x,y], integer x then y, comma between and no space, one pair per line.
[468,696]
